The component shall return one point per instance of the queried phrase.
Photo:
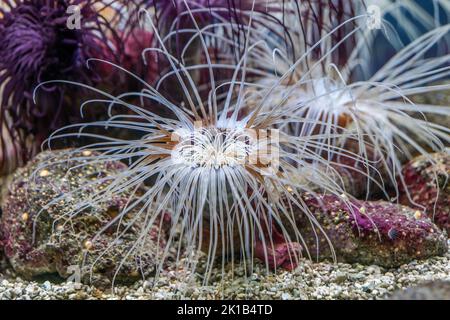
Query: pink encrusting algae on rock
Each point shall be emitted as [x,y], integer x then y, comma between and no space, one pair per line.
[368,232]
[55,242]
[426,187]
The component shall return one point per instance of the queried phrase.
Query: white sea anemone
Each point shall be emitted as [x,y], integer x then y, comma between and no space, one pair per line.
[342,95]
[230,182]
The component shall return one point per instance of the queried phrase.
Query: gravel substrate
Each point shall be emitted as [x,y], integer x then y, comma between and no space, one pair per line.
[308,281]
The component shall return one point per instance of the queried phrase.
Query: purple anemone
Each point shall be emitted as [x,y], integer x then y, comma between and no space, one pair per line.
[39,45]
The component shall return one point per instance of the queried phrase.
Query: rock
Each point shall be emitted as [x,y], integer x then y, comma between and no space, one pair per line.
[434,290]
[5,180]
[340,277]
[41,237]
[428,186]
[377,232]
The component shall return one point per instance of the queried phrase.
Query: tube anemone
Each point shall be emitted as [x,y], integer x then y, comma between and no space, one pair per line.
[224,186]
[309,21]
[232,184]
[173,16]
